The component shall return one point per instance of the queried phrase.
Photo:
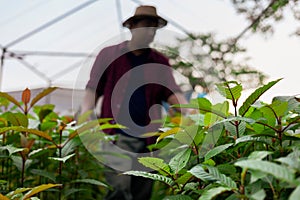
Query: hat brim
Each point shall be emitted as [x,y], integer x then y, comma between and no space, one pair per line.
[161,21]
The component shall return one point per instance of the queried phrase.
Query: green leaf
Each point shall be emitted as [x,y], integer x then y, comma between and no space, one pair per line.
[227,169]
[70,147]
[280,107]
[17,191]
[255,96]
[184,178]
[221,178]
[178,197]
[259,155]
[39,189]
[44,173]
[295,194]
[259,195]
[280,172]
[218,112]
[215,151]
[17,161]
[155,164]
[211,193]
[91,181]
[200,173]
[72,191]
[230,90]
[64,159]
[11,149]
[37,152]
[249,138]
[179,161]
[212,136]
[22,129]
[43,113]
[155,177]
[42,94]
[291,162]
[17,119]
[10,98]
[169,132]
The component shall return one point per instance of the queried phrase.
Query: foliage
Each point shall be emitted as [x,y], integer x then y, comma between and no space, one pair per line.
[252,152]
[204,61]
[41,151]
[262,15]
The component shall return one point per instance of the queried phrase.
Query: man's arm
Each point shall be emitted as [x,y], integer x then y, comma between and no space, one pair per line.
[89,101]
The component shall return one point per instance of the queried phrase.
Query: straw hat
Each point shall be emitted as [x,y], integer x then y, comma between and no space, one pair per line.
[145,12]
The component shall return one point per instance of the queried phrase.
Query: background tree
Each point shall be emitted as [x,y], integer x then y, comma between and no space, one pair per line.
[204,60]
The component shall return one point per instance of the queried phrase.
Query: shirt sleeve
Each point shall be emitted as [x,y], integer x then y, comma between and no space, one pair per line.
[98,75]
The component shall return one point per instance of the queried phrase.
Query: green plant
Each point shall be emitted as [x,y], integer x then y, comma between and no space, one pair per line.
[42,150]
[251,153]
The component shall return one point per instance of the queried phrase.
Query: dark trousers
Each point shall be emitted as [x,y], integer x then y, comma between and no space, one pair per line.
[128,187]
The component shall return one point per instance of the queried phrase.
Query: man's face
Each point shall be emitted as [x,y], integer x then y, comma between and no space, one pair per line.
[143,31]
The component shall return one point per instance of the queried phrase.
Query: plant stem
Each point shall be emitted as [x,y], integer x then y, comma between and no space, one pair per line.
[23,171]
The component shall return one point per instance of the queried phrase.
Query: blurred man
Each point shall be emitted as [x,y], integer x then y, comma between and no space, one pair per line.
[132,78]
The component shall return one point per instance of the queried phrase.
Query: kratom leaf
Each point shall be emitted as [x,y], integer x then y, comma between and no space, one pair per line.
[259,195]
[211,193]
[70,147]
[155,164]
[227,168]
[22,129]
[200,103]
[215,151]
[280,107]
[221,178]
[255,96]
[17,191]
[10,98]
[259,155]
[155,177]
[91,181]
[278,171]
[191,135]
[218,112]
[230,90]
[17,161]
[17,119]
[179,161]
[211,138]
[291,162]
[37,152]
[178,197]
[184,178]
[169,132]
[295,194]
[42,94]
[72,191]
[109,126]
[232,128]
[39,189]
[64,159]
[44,173]
[200,173]
[11,149]
[26,94]
[248,138]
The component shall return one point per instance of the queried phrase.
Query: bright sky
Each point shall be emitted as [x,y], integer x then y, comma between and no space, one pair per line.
[88,29]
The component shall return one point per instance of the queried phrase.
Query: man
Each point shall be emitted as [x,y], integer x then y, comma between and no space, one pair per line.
[133,78]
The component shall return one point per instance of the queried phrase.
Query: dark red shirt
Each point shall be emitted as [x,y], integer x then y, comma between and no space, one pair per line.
[110,76]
